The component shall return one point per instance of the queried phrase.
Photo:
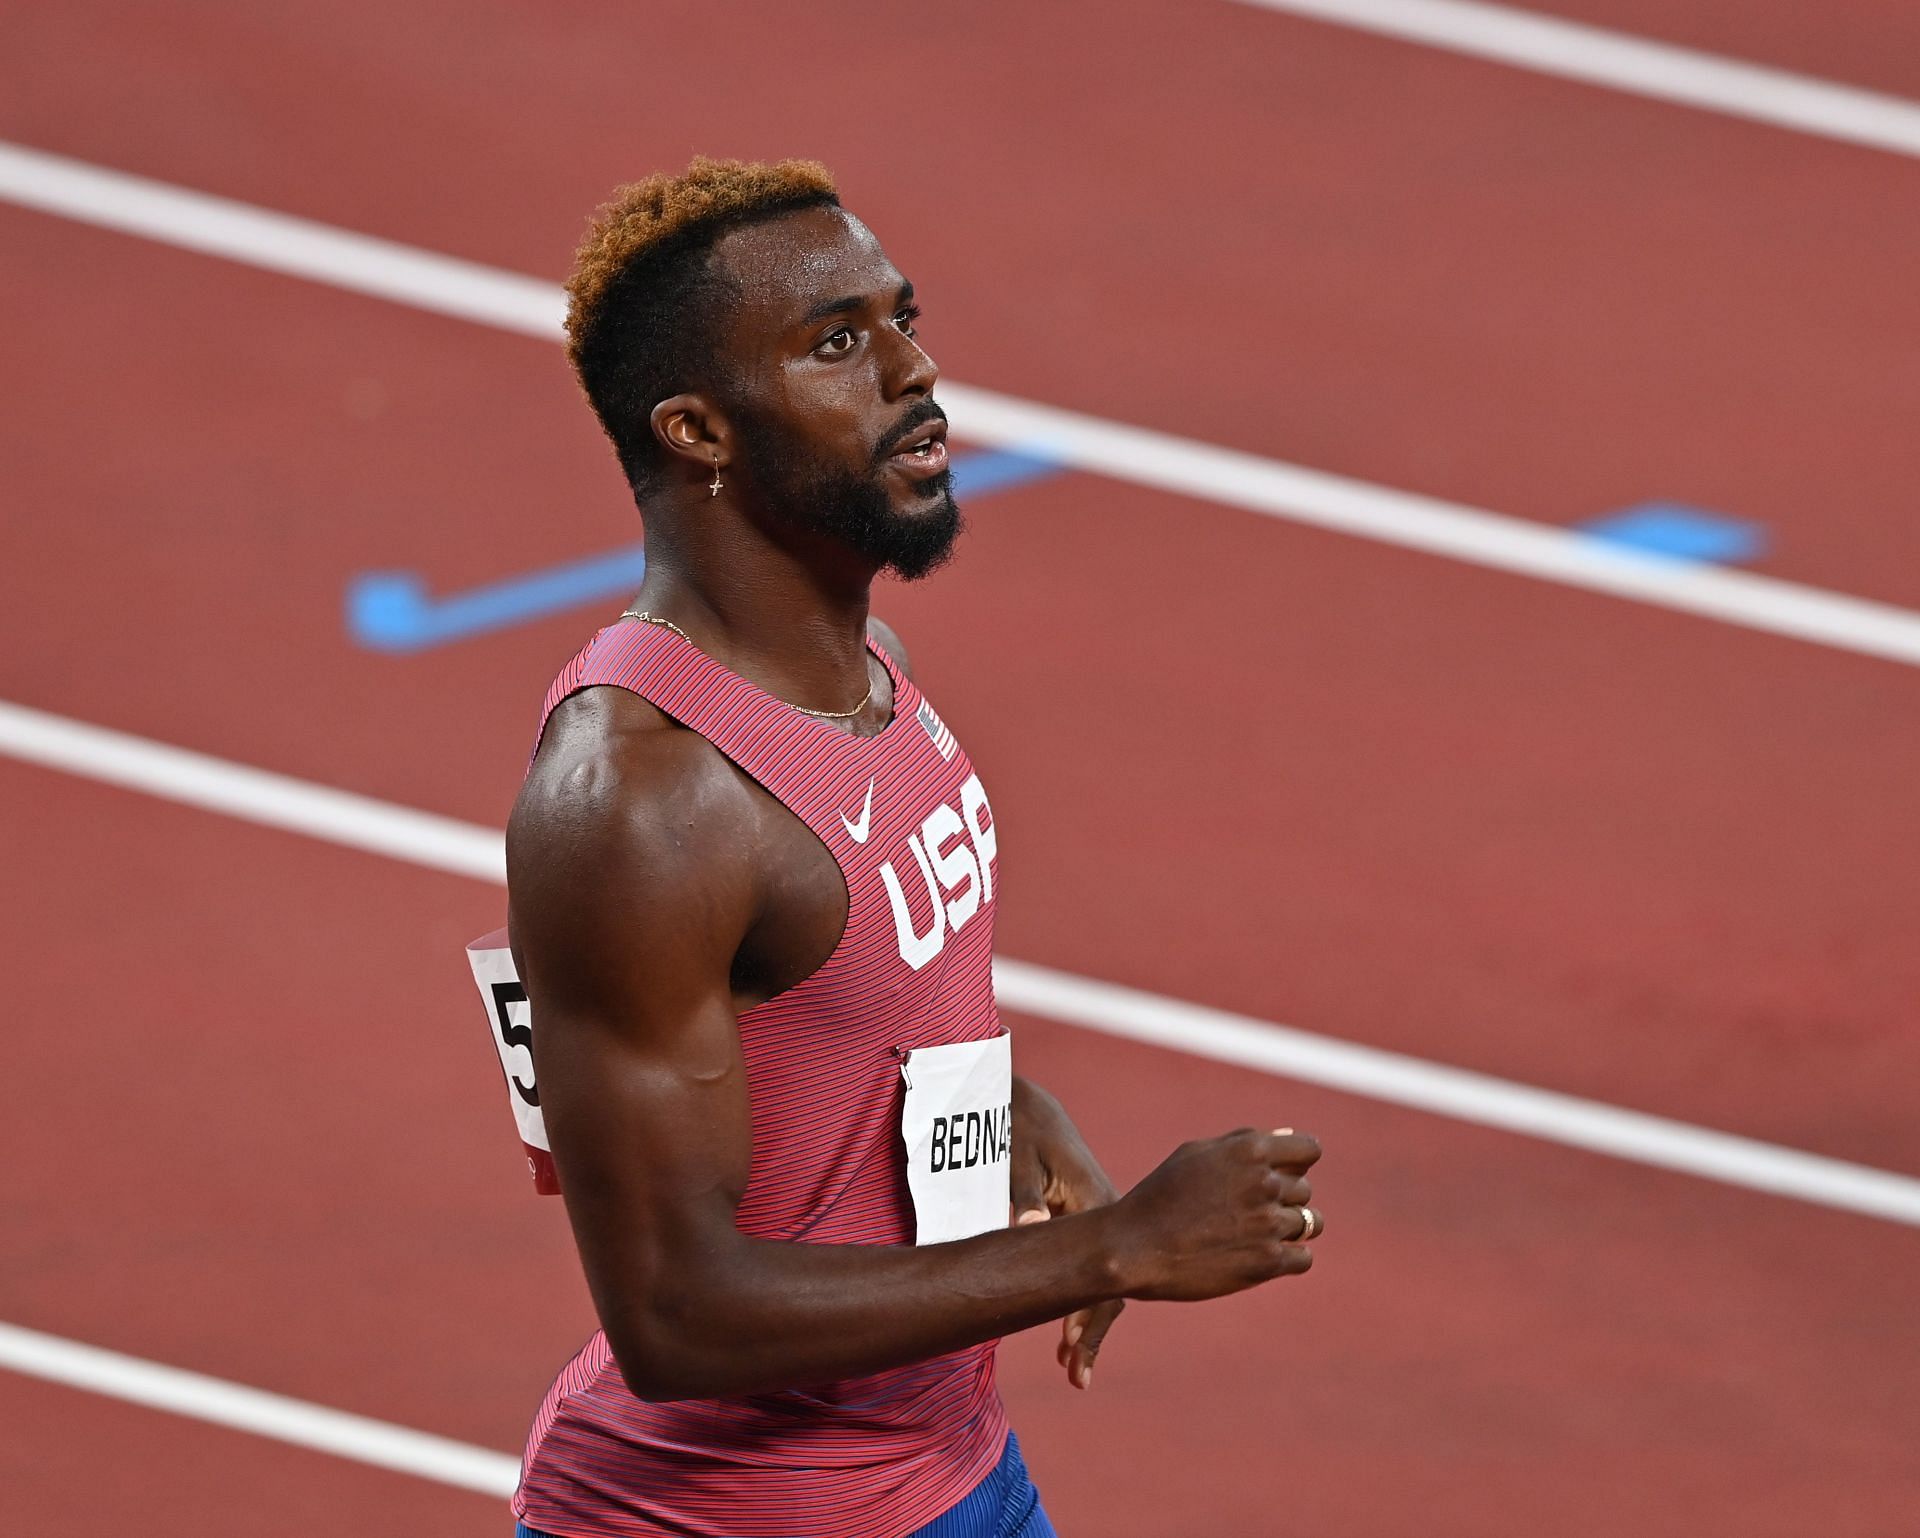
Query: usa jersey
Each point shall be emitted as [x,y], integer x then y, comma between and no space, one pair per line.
[879,1093]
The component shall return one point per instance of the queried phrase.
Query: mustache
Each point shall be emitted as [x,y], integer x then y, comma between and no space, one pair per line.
[915,419]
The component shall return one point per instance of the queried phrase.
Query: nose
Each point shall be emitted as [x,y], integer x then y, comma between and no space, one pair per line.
[913,371]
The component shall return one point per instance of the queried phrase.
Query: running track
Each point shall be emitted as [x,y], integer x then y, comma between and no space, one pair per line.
[1572,841]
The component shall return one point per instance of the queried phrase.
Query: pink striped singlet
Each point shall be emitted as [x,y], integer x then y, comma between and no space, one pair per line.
[876,1457]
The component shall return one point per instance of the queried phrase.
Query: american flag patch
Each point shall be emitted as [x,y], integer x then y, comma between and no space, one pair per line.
[937,730]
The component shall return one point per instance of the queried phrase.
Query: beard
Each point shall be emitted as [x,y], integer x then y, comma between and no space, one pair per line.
[856,510]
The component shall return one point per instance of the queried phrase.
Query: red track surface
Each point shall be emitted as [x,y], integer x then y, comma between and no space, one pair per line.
[1564,839]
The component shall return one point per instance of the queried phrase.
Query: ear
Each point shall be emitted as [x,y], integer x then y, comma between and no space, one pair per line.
[692,428]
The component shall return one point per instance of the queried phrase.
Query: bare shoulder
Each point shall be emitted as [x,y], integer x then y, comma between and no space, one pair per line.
[627,824]
[611,759]
[888,637]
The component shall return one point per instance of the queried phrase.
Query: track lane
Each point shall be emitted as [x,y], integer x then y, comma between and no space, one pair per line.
[282,802]
[1872,43]
[78,1466]
[1632,65]
[1466,343]
[305,1187]
[289,246]
[1634,861]
[1547,836]
[1646,302]
[329,1229]
[1465,1301]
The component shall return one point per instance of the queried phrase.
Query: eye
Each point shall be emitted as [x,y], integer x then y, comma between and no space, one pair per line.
[904,318]
[838,340]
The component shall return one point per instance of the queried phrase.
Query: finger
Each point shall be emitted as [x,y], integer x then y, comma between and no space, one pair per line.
[1292,1150]
[1291,1190]
[1071,1329]
[1100,1320]
[1029,1193]
[1033,1215]
[1309,1223]
[1081,1192]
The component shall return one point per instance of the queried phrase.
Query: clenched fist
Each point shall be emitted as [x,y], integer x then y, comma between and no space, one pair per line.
[1218,1216]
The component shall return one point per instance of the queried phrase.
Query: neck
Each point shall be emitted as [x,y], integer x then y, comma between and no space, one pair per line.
[792,620]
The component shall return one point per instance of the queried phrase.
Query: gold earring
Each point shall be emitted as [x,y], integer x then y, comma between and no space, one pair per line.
[714,489]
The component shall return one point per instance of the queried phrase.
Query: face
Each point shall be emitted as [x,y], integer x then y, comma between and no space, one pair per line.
[835,428]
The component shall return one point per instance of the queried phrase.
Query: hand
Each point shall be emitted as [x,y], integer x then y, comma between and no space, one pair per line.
[1055,1173]
[1217,1216]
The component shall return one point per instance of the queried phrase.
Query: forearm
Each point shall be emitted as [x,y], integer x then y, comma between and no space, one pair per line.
[760,1315]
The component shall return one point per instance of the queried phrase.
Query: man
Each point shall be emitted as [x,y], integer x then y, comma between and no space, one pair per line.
[752,882]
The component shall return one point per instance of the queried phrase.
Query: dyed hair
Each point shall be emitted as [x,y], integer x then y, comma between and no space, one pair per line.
[644,302]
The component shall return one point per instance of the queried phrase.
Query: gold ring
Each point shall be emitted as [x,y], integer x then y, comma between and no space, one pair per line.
[1309,1225]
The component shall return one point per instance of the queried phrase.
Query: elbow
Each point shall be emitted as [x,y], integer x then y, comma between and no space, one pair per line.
[676,1322]
[650,1385]
[654,1381]
[663,1355]
[656,1369]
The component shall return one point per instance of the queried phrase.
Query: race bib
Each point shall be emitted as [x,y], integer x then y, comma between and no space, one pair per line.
[510,1022]
[957,1125]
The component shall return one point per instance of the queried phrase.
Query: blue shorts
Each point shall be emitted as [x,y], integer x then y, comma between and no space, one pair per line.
[1003,1505]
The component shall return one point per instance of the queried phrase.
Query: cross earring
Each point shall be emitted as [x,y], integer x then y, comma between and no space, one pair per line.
[714,489]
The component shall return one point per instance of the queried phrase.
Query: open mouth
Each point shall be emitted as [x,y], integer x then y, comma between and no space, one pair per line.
[924,453]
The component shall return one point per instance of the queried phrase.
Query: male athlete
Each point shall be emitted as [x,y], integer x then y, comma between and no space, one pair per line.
[752,887]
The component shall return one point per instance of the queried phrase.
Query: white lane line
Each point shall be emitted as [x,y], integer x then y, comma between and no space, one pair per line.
[468,849]
[1339,503]
[1620,61]
[254,795]
[260,237]
[234,1405]
[1183,466]
[1456,1093]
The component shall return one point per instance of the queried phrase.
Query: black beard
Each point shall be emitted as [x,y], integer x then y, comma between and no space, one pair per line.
[855,510]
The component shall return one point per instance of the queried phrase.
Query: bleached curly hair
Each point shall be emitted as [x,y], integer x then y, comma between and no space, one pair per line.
[643,299]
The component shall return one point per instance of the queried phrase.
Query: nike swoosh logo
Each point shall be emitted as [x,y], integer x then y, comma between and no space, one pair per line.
[857,831]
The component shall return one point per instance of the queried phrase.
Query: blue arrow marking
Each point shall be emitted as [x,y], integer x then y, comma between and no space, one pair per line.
[1681,533]
[391,611]
[990,470]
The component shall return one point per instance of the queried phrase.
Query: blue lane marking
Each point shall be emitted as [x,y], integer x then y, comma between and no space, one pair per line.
[990,470]
[1681,533]
[391,611]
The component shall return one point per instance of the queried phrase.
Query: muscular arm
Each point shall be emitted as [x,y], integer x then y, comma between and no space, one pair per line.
[638,866]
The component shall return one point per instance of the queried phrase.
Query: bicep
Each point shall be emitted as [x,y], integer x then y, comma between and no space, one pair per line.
[626,936]
[647,1113]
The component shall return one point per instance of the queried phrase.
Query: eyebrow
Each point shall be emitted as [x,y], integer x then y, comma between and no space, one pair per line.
[848,304]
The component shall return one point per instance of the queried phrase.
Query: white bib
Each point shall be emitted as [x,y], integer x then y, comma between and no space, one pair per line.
[957,1125]
[510,1023]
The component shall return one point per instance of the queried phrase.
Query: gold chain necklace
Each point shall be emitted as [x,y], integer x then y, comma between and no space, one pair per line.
[825,715]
